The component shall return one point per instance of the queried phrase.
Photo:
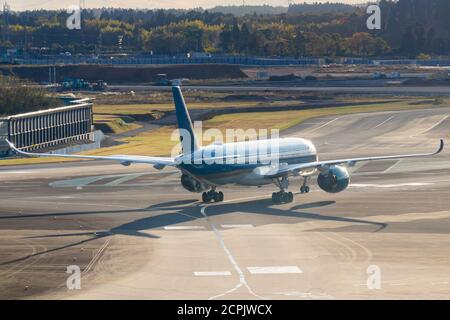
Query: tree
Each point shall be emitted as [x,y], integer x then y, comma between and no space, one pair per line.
[408,28]
[363,44]
[226,39]
[244,38]
[409,44]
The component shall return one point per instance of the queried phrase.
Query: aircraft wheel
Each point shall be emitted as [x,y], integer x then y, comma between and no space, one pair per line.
[205,197]
[276,197]
[306,189]
[290,196]
[221,196]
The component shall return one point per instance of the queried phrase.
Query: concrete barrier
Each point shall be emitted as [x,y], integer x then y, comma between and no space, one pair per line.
[98,138]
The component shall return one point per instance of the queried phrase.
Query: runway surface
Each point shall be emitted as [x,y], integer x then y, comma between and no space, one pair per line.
[136,233]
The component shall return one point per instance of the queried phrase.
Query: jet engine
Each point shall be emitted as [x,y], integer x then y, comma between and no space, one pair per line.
[334,180]
[192,184]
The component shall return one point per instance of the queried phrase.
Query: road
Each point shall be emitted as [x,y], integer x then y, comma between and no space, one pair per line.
[394,90]
[136,234]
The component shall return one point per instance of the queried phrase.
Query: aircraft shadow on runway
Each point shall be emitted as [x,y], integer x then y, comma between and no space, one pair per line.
[182,211]
[265,207]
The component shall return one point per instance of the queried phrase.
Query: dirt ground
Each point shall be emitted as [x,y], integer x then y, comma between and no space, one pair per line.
[129,74]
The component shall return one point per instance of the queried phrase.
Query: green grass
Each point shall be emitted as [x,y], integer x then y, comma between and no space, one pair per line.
[142,109]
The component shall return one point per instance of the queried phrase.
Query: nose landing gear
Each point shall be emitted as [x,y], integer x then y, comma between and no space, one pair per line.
[304,188]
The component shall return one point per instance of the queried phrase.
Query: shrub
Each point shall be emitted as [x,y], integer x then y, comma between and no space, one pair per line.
[15,98]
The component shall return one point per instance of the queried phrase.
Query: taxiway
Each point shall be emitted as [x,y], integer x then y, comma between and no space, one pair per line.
[136,233]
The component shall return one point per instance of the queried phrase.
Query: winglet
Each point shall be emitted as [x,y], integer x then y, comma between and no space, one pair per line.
[13,148]
[11,145]
[441,147]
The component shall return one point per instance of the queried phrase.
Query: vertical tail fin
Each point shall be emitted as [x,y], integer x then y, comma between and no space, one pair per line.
[187,135]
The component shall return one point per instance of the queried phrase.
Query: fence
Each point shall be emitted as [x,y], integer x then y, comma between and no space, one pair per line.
[47,128]
[236,60]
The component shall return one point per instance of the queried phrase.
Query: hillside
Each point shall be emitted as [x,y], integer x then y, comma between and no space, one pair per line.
[239,11]
[321,8]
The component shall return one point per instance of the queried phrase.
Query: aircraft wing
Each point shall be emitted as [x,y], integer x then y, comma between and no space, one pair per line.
[324,165]
[158,162]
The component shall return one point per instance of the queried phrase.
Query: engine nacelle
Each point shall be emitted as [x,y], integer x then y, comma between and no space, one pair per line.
[192,185]
[335,180]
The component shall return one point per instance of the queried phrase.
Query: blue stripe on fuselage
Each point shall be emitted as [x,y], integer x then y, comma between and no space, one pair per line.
[217,170]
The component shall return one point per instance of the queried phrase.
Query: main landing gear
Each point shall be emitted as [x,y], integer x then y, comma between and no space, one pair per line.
[286,197]
[282,196]
[212,195]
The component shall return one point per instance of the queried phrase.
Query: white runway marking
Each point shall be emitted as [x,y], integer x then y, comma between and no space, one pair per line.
[324,125]
[212,273]
[97,256]
[157,182]
[77,182]
[368,185]
[435,125]
[74,204]
[274,270]
[123,179]
[15,172]
[398,284]
[391,167]
[236,226]
[120,179]
[439,283]
[184,228]
[385,121]
[242,280]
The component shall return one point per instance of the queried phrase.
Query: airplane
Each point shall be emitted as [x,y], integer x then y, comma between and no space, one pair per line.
[294,157]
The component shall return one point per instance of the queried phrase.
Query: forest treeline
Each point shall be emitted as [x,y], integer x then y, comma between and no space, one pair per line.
[409,28]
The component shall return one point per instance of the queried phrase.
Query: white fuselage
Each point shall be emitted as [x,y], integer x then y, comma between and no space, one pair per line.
[247,162]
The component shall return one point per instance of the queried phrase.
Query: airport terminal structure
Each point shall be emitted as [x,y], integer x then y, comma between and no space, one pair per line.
[48,128]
